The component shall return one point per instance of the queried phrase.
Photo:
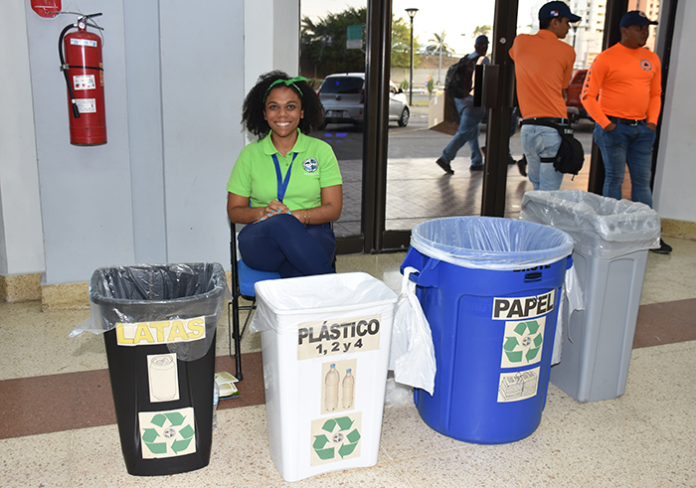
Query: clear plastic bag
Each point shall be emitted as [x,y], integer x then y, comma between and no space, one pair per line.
[490,243]
[412,351]
[601,227]
[155,293]
[315,295]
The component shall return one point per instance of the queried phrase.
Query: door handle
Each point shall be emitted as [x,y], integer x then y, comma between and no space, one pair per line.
[490,84]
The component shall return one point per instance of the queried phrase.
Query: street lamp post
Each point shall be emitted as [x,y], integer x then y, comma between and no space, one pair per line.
[411,13]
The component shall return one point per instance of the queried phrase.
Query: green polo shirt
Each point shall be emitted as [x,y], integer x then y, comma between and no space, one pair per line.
[315,167]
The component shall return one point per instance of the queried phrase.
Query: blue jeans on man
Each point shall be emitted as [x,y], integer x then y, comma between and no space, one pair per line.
[630,145]
[469,119]
[539,141]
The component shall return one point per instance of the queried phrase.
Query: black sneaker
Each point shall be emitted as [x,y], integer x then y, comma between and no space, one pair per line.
[476,167]
[445,165]
[522,165]
[663,249]
[511,160]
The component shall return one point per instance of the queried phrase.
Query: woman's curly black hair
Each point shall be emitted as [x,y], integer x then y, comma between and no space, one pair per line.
[252,112]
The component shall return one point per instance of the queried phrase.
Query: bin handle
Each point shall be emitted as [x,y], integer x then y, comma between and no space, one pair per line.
[569,263]
[411,274]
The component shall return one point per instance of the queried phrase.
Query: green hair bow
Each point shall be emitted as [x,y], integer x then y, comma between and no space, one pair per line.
[289,82]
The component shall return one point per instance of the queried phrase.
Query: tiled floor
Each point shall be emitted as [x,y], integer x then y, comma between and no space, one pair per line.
[57,426]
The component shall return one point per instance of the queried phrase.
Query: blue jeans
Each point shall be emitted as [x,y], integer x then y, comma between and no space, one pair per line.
[538,142]
[469,119]
[284,244]
[631,145]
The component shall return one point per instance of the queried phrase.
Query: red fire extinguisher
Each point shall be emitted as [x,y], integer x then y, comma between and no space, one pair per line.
[84,74]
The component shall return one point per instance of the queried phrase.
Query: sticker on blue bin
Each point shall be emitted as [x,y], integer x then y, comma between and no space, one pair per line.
[518,386]
[519,308]
[167,434]
[522,342]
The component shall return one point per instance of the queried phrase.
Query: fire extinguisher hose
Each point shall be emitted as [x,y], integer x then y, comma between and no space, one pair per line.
[64,69]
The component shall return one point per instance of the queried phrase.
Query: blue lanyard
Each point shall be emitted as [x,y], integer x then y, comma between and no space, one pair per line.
[283,184]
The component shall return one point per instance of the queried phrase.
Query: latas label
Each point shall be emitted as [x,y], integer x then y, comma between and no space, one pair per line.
[165,332]
[329,337]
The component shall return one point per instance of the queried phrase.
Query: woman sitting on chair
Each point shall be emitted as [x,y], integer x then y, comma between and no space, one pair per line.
[286,186]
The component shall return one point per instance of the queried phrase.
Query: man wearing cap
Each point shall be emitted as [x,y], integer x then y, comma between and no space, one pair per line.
[543,67]
[627,79]
[469,118]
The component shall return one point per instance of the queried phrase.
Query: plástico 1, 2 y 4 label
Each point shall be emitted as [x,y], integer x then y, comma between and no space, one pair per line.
[338,336]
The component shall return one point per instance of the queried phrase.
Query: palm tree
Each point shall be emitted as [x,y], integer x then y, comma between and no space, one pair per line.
[439,44]
[482,30]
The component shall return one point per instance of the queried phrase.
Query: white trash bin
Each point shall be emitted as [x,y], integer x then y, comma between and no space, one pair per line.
[325,344]
[611,242]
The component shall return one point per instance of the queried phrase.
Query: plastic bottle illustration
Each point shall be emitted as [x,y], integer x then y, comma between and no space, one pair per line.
[348,389]
[331,395]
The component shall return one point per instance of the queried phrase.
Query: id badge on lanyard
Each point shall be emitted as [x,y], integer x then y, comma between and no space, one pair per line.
[282,183]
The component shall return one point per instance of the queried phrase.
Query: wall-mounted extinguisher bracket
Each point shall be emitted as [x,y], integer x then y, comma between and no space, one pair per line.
[46,8]
[81,62]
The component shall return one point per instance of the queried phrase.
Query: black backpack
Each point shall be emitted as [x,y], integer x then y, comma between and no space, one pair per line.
[459,77]
[570,155]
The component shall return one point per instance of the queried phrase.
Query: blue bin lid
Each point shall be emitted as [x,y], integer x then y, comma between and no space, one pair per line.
[491,243]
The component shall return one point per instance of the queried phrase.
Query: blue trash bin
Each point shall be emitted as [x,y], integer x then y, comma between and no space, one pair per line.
[490,289]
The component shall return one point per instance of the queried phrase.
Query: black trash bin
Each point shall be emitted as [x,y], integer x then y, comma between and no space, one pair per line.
[160,342]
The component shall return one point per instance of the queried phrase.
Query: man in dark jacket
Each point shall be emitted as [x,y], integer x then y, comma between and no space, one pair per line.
[469,117]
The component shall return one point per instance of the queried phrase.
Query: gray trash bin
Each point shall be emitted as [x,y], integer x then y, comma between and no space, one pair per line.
[612,238]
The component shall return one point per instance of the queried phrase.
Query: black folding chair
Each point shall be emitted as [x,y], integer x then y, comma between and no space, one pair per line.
[243,280]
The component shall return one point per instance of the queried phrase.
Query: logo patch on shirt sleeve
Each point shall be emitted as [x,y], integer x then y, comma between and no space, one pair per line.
[310,165]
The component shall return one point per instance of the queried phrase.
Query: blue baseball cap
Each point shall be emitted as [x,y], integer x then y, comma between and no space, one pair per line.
[557,10]
[636,17]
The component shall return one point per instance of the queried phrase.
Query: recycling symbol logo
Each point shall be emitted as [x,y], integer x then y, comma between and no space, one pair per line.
[523,342]
[167,434]
[335,439]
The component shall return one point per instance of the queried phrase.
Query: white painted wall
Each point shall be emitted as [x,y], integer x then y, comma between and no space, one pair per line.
[271,41]
[86,198]
[174,85]
[202,70]
[286,42]
[675,176]
[258,41]
[21,235]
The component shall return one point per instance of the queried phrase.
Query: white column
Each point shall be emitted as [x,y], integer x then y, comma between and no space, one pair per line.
[21,233]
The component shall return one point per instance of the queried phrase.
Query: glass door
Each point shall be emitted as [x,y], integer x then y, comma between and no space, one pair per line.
[418,189]
[332,57]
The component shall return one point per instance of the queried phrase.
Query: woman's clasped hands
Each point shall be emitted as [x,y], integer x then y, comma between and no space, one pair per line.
[274,208]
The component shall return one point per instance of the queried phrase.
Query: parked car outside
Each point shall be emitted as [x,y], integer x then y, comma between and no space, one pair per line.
[343,98]
[575,109]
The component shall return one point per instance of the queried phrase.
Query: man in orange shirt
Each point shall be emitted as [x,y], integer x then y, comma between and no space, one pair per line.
[543,67]
[627,79]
